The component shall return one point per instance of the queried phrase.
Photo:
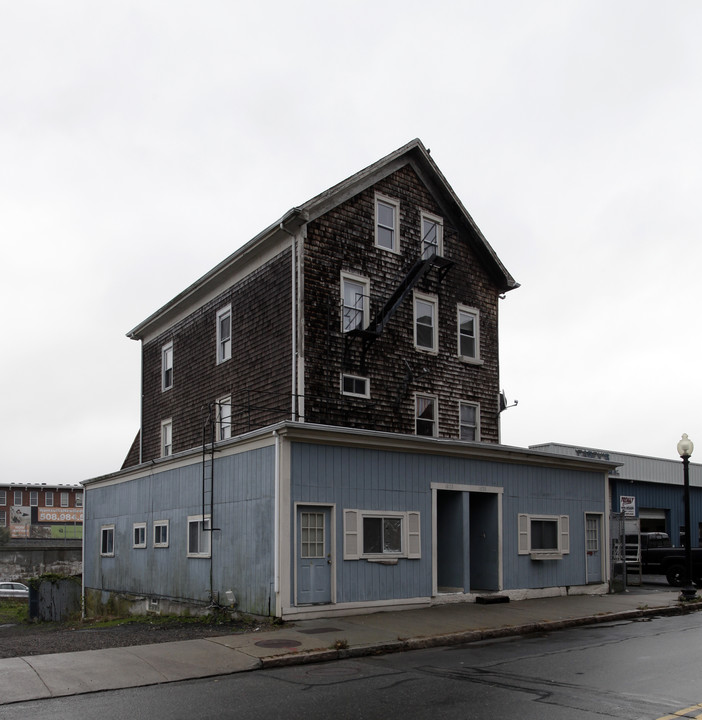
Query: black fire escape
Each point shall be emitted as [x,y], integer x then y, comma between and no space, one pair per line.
[369,334]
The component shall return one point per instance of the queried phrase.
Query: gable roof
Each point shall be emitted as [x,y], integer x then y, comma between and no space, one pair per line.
[271,241]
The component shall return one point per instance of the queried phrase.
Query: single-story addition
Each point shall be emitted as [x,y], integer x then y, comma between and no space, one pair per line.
[300,520]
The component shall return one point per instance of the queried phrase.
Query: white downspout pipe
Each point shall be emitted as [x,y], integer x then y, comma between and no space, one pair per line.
[293,409]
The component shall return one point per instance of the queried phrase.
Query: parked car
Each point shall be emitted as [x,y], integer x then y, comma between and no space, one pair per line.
[13,590]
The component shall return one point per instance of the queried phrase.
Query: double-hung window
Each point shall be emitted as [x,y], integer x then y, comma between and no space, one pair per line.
[224,334]
[469,421]
[468,333]
[544,537]
[3,519]
[79,500]
[3,497]
[18,497]
[387,223]
[48,498]
[199,536]
[354,300]
[64,499]
[167,366]
[139,530]
[426,415]
[107,540]
[432,236]
[34,498]
[224,418]
[425,325]
[160,533]
[166,438]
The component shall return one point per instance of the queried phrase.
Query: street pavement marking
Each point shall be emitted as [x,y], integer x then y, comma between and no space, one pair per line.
[686,713]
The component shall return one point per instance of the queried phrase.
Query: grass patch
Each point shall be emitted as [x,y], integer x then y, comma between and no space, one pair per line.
[13,611]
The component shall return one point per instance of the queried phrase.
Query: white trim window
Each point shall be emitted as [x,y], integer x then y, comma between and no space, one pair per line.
[387,223]
[167,366]
[33,498]
[139,535]
[355,386]
[224,334]
[354,302]
[432,235]
[18,497]
[468,333]
[160,533]
[48,499]
[3,497]
[79,499]
[426,415]
[381,536]
[64,499]
[3,518]
[425,325]
[107,541]
[544,537]
[199,536]
[469,421]
[166,437]
[224,418]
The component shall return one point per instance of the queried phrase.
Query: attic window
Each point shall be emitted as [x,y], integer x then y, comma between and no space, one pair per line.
[387,213]
[432,236]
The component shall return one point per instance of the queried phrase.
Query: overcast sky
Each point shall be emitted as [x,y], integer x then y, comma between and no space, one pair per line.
[142,142]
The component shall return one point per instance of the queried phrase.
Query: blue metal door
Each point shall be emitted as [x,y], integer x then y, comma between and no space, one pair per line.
[314,561]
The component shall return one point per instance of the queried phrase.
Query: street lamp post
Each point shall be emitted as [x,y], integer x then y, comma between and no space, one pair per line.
[685,448]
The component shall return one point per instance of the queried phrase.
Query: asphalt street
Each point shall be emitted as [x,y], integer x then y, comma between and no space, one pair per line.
[628,669]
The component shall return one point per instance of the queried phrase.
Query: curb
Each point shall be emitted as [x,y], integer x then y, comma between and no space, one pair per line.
[469,636]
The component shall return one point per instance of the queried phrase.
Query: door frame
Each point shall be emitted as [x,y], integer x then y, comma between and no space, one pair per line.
[332,546]
[435,487]
[600,517]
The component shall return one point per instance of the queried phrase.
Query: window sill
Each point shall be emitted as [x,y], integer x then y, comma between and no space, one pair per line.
[471,361]
[546,556]
[382,561]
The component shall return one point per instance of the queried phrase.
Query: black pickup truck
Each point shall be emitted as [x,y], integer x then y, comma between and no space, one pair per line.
[659,557]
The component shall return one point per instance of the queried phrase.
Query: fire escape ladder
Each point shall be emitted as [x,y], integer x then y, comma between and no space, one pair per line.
[375,327]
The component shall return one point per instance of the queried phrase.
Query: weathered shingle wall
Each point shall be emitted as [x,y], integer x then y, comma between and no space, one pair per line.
[343,240]
[258,375]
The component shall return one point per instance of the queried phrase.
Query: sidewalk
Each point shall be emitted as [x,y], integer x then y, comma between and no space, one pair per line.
[45,676]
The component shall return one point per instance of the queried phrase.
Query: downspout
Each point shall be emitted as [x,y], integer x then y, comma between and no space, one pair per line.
[294,322]
[141,405]
[276,518]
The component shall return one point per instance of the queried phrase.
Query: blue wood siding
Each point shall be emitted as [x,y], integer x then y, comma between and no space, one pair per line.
[242,547]
[369,479]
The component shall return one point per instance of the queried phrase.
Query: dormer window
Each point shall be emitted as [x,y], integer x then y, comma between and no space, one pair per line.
[432,236]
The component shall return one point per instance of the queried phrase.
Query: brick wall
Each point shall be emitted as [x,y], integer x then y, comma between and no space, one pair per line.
[343,240]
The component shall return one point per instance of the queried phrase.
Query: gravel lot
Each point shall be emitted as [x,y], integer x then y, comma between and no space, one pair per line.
[22,639]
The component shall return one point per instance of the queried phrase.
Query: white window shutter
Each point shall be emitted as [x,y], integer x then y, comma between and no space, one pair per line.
[414,539]
[565,534]
[352,550]
[523,529]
